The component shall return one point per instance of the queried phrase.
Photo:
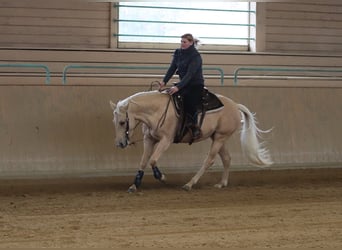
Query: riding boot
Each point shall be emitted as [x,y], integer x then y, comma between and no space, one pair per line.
[194,129]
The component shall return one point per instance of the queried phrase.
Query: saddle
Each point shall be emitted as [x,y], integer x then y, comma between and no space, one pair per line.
[209,102]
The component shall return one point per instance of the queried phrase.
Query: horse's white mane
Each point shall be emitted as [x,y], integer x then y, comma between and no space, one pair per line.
[122,105]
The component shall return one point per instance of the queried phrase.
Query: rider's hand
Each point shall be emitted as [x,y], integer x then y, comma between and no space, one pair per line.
[173,90]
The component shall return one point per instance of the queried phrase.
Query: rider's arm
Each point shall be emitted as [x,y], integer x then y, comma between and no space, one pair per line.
[172,69]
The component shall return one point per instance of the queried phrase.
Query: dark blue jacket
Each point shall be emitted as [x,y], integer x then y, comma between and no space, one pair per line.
[187,63]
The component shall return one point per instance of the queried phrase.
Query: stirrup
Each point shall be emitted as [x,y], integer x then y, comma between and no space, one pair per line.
[194,136]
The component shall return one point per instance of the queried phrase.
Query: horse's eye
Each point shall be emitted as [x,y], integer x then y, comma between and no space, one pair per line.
[121,123]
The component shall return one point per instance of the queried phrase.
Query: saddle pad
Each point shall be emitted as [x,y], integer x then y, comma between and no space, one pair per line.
[209,101]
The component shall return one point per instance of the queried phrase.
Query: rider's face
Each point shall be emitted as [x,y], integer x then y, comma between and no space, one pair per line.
[185,43]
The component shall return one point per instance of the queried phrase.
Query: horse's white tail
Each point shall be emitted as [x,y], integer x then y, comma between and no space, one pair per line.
[250,134]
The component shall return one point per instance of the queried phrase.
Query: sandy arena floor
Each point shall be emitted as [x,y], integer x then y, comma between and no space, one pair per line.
[301,208]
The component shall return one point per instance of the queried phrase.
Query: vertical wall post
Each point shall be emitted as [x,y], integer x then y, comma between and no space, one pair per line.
[259,31]
[114,15]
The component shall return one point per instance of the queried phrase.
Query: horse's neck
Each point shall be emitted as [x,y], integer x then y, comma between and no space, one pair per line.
[148,108]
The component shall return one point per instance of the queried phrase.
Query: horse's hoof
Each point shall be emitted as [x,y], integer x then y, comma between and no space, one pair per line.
[132,189]
[163,178]
[220,185]
[186,187]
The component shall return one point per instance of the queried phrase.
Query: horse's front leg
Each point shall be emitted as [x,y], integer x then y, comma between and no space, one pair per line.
[148,149]
[159,149]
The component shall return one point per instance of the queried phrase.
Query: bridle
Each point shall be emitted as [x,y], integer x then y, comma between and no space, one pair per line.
[127,130]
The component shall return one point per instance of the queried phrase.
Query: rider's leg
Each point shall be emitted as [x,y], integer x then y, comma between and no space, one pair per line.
[192,99]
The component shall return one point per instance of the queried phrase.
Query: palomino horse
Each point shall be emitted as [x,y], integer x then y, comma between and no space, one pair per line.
[159,123]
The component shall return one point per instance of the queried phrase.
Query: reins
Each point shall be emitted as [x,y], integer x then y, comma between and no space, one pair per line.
[152,84]
[163,117]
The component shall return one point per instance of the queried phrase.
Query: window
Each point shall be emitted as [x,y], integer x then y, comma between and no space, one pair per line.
[217,25]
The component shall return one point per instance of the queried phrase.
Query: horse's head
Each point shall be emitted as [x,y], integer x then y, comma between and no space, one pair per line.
[121,121]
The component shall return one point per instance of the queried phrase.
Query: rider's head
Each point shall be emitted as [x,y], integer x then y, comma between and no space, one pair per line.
[187,40]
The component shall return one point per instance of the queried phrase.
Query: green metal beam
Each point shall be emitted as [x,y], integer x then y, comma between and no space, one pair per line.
[74,66]
[115,5]
[175,22]
[30,65]
[238,70]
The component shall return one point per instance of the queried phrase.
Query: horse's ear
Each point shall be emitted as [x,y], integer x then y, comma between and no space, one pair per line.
[112,104]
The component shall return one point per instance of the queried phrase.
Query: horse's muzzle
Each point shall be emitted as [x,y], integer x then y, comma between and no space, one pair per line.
[122,144]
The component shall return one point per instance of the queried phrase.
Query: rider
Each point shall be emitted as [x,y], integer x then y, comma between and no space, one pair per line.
[187,63]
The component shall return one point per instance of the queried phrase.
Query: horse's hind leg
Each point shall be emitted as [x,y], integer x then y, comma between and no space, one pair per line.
[225,157]
[209,161]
